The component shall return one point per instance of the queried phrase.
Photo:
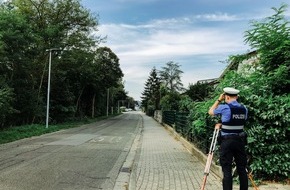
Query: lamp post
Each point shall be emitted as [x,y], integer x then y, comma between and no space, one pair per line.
[108,91]
[48,84]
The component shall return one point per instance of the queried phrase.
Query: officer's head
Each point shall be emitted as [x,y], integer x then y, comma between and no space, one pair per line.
[230,94]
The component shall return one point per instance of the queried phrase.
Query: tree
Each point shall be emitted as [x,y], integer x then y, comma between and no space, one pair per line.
[80,75]
[90,75]
[151,93]
[109,67]
[271,38]
[170,75]
[108,71]
[62,24]
[17,51]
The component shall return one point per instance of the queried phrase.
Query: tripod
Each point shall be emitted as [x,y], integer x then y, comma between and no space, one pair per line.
[210,155]
[250,176]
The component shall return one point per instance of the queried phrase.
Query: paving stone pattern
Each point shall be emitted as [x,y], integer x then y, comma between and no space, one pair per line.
[163,163]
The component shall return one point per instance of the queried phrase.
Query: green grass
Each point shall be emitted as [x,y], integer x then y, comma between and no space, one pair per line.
[25,131]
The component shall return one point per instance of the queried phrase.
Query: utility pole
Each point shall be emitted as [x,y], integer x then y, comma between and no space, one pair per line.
[48,84]
[107,102]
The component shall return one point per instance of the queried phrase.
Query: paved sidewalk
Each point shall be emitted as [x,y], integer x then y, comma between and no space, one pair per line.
[162,163]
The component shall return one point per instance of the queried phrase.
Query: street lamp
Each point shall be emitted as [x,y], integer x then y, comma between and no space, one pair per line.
[48,84]
[108,91]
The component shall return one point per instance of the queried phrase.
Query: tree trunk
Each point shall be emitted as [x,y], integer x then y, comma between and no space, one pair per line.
[78,100]
[39,88]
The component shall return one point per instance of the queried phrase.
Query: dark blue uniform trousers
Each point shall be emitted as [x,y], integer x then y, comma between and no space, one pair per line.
[233,148]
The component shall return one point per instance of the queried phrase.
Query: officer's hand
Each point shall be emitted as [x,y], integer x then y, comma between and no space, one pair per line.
[218,126]
[222,97]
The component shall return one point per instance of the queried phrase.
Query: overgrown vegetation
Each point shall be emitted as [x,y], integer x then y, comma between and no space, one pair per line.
[265,91]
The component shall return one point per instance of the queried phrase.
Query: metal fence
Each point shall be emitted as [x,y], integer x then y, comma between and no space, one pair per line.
[181,123]
[168,117]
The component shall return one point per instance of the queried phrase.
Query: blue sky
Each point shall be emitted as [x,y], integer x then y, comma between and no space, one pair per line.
[199,35]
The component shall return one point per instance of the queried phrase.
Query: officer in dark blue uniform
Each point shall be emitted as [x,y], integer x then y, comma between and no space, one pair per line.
[233,137]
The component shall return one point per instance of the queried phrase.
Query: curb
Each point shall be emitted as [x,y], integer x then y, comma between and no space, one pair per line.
[123,181]
[217,170]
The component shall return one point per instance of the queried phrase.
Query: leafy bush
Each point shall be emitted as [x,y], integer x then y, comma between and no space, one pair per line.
[170,101]
[267,127]
[267,96]
[269,132]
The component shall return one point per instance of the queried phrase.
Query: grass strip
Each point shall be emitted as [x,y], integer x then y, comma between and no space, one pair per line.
[25,131]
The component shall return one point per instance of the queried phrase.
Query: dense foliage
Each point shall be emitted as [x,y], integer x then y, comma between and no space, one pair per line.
[269,99]
[81,74]
[265,91]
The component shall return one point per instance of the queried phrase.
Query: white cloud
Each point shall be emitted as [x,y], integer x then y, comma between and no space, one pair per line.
[217,17]
[140,47]
[197,36]
[139,41]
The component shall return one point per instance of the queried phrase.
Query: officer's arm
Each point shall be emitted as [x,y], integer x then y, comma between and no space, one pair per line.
[215,105]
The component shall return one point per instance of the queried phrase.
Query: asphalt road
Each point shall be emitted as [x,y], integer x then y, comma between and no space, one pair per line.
[87,157]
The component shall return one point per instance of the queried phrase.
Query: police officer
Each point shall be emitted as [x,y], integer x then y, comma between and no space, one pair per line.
[233,138]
